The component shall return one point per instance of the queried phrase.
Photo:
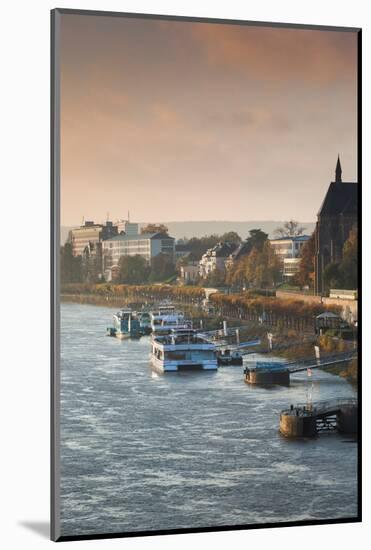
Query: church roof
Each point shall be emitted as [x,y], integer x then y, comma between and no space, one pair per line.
[341,198]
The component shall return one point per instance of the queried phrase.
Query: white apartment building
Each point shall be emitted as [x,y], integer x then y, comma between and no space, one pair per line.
[215,258]
[288,249]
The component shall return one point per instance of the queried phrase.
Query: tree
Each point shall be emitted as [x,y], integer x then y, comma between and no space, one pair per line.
[162,268]
[215,278]
[290,228]
[348,267]
[71,266]
[332,276]
[133,269]
[306,267]
[155,228]
[231,237]
[198,246]
[262,268]
[257,238]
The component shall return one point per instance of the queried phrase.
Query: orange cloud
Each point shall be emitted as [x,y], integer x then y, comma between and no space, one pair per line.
[278,53]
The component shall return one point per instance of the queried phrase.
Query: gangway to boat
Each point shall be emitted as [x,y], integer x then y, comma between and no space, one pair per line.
[324,361]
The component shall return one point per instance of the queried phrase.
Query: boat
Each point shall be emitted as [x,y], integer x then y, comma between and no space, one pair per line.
[166,318]
[183,349]
[125,325]
[229,357]
[145,322]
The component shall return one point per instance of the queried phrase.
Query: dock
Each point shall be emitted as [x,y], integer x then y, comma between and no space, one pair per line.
[268,373]
[309,420]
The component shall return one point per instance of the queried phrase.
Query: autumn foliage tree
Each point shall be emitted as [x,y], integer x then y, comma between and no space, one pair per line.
[305,275]
[155,228]
[260,268]
[345,273]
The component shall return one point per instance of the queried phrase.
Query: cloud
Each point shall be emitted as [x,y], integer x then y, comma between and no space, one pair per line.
[276,54]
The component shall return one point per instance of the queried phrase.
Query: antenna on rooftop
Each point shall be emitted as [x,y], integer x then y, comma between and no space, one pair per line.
[128,215]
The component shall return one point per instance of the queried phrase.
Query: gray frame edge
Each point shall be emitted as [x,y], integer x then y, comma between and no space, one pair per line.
[55,276]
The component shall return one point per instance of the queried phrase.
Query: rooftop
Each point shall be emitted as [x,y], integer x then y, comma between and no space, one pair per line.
[140,237]
[298,238]
[341,198]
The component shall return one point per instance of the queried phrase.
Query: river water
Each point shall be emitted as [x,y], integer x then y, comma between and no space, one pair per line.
[142,451]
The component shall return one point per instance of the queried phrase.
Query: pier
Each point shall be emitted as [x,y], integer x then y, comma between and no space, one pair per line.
[270,373]
[309,420]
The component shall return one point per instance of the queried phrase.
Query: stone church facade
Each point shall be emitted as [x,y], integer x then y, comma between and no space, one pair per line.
[335,219]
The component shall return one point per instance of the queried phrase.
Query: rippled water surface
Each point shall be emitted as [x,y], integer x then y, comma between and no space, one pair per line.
[141,451]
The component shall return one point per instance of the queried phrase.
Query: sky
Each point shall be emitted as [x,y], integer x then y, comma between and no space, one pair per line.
[178,121]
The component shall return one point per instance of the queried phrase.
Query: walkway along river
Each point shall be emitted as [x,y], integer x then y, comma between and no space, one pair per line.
[141,451]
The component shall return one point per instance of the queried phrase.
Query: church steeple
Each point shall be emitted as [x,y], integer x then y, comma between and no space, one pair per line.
[338,171]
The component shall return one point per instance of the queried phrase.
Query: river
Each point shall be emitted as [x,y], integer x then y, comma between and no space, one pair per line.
[143,451]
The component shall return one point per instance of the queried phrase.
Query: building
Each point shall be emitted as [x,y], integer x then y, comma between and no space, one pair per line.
[90,233]
[146,245]
[127,227]
[215,258]
[288,249]
[189,273]
[335,219]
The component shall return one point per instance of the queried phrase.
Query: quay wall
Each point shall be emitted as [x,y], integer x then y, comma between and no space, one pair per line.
[298,426]
[349,307]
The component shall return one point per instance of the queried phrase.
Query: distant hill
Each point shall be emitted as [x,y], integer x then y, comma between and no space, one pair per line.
[202,228]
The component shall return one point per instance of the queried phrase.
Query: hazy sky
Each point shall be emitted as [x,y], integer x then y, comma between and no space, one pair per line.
[198,121]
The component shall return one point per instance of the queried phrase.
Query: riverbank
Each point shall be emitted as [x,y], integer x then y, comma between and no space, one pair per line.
[282,336]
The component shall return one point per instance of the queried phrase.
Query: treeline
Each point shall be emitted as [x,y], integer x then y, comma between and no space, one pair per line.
[136,270]
[148,293]
[295,314]
[197,246]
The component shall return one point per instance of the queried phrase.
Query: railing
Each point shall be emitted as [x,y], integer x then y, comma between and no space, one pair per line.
[321,407]
[297,366]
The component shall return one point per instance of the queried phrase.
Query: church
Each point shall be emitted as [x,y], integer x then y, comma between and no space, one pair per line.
[335,219]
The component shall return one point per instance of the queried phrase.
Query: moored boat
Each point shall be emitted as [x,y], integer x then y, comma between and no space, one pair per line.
[183,349]
[229,357]
[125,325]
[166,318]
[145,322]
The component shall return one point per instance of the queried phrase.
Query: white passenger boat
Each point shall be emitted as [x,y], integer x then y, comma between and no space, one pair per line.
[183,349]
[166,318]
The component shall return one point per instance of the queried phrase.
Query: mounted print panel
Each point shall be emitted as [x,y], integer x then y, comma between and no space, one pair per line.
[205,179]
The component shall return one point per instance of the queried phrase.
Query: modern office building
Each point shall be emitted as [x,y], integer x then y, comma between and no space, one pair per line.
[127,227]
[90,234]
[146,245]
